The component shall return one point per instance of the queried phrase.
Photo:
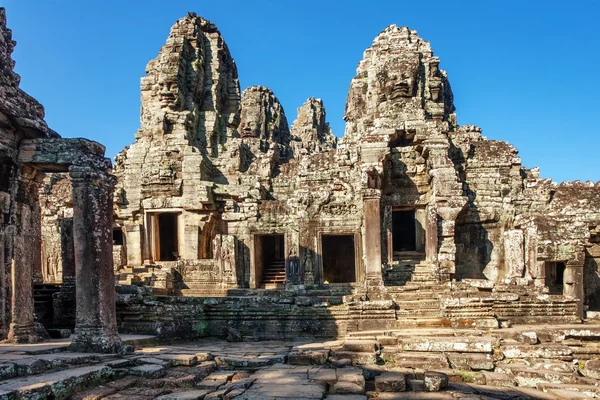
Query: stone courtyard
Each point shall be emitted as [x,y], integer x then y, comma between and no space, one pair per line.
[228,254]
[528,362]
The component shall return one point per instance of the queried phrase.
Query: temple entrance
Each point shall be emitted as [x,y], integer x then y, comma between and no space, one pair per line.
[338,259]
[270,259]
[408,234]
[168,243]
[555,272]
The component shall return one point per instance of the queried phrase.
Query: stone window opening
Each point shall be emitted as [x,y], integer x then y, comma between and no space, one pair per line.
[168,237]
[408,234]
[402,138]
[5,173]
[338,258]
[555,272]
[118,236]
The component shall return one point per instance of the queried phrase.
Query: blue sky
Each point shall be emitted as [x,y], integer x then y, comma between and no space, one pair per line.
[525,71]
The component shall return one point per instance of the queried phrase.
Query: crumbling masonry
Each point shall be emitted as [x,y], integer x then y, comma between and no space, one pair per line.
[224,216]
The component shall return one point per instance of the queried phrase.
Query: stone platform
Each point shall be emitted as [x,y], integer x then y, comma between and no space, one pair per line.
[524,362]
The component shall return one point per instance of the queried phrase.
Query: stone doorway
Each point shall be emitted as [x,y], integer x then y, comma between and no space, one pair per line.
[408,234]
[338,258]
[555,272]
[167,240]
[270,259]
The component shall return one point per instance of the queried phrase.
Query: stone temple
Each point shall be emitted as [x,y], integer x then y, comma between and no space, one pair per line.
[409,245]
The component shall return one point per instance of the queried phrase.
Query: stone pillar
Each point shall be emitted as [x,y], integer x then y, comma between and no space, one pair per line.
[67,253]
[372,240]
[3,290]
[514,258]
[64,301]
[96,325]
[133,237]
[431,231]
[26,255]
[573,281]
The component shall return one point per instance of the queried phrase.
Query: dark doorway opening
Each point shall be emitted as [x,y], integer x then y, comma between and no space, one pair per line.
[271,259]
[407,230]
[555,272]
[118,237]
[338,259]
[168,236]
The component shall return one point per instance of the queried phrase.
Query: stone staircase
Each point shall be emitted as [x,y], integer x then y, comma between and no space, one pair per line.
[425,272]
[274,275]
[129,276]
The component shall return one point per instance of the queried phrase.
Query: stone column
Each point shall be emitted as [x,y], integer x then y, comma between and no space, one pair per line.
[64,301]
[3,290]
[372,241]
[67,253]
[573,281]
[95,326]
[26,255]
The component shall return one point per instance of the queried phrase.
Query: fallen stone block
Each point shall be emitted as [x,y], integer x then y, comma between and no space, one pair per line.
[471,361]
[346,388]
[416,385]
[498,379]
[591,369]
[309,357]
[358,345]
[448,344]
[422,360]
[324,375]
[355,357]
[529,377]
[352,375]
[435,381]
[549,351]
[390,382]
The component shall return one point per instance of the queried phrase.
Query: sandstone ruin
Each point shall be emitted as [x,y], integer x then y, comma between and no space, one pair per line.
[223,220]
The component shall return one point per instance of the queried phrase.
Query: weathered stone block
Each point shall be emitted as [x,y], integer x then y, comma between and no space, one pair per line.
[390,382]
[435,381]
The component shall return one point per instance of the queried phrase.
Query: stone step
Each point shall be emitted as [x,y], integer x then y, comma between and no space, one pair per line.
[360,345]
[589,390]
[356,357]
[59,384]
[466,344]
[250,362]
[531,377]
[549,351]
[421,360]
[27,365]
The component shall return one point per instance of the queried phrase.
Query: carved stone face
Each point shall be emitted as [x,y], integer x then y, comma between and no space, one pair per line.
[397,80]
[169,94]
[250,124]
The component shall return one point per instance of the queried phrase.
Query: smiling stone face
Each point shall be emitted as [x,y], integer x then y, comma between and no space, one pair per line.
[397,80]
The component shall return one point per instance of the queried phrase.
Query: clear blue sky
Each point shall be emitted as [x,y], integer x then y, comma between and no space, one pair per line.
[525,71]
